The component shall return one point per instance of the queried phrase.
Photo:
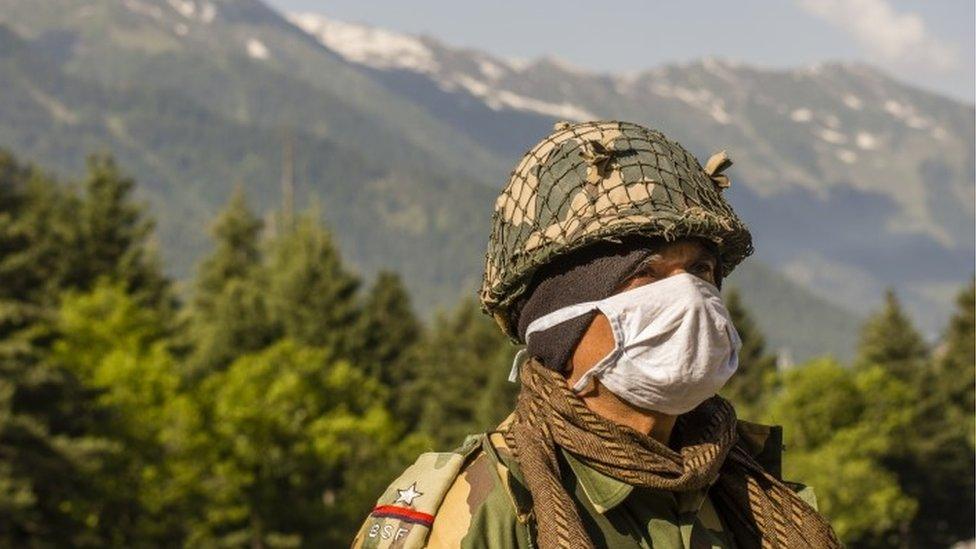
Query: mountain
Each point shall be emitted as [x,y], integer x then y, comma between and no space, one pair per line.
[851,180]
[241,59]
[189,101]
[196,97]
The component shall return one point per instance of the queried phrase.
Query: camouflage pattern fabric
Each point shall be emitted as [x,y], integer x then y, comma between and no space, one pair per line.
[485,504]
[597,181]
[404,514]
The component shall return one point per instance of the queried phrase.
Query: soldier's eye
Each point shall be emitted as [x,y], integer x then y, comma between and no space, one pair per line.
[704,269]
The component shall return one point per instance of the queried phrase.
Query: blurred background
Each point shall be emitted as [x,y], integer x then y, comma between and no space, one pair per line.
[240,243]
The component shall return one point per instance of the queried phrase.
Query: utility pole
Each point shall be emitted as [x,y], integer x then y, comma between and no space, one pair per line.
[287,180]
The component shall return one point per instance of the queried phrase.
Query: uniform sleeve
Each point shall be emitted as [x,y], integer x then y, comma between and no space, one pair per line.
[404,514]
[477,513]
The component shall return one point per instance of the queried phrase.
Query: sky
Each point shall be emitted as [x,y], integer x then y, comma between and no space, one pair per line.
[928,43]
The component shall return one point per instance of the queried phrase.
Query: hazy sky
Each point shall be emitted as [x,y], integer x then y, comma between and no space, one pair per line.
[929,43]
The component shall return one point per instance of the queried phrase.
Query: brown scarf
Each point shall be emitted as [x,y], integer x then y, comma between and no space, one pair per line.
[760,510]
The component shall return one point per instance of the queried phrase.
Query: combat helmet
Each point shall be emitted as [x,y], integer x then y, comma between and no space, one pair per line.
[600,181]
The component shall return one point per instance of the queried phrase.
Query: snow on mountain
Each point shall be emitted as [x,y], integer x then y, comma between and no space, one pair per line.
[376,48]
[203,11]
[139,7]
[801,115]
[385,50]
[700,98]
[854,102]
[866,141]
[510,84]
[256,49]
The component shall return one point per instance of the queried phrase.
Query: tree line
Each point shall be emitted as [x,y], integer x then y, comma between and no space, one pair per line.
[270,403]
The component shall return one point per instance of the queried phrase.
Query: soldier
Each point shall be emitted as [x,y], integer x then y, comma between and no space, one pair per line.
[606,254]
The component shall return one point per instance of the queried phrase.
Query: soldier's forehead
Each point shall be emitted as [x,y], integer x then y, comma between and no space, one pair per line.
[683,246]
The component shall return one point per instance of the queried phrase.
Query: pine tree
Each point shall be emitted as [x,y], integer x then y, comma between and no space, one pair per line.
[311,294]
[119,348]
[230,313]
[839,425]
[889,339]
[236,234]
[388,330]
[300,444]
[932,457]
[757,370]
[40,239]
[955,376]
[49,459]
[462,388]
[936,465]
[115,235]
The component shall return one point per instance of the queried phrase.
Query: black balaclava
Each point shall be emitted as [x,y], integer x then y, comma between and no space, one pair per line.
[589,274]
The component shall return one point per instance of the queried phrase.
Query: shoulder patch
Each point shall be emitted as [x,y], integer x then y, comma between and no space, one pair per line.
[404,514]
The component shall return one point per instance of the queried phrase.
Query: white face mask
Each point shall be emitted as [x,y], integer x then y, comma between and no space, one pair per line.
[675,343]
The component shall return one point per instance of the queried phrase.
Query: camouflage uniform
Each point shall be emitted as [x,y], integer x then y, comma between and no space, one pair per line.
[474,497]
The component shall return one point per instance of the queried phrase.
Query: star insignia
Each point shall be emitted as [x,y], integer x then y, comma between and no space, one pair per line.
[407,496]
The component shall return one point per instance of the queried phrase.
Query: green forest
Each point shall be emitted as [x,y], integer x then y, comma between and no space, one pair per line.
[269,402]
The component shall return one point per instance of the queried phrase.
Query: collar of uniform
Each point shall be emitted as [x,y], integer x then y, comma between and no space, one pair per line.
[764,442]
[603,491]
[606,492]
